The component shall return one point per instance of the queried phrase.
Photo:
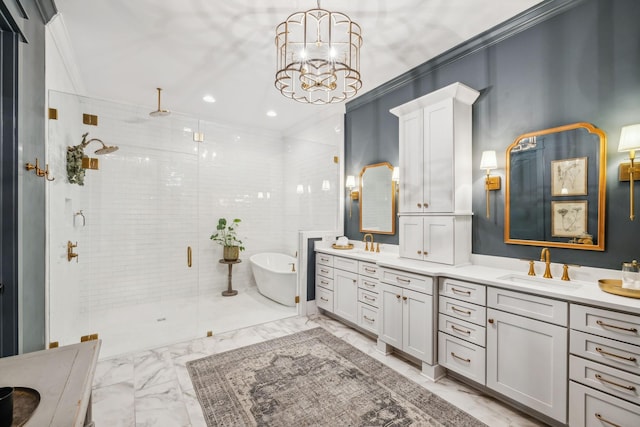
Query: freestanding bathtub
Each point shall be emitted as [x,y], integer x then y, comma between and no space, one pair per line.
[274,276]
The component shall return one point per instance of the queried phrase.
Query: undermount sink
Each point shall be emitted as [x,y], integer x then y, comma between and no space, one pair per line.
[524,279]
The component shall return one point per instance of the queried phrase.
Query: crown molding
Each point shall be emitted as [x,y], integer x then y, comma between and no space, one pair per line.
[60,36]
[527,19]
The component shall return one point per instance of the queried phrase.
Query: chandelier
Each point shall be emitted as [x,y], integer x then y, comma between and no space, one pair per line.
[318,55]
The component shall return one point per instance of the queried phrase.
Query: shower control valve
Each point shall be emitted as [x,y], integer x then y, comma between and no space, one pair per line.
[70,254]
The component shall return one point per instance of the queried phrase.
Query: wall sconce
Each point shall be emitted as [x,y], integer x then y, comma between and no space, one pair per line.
[354,194]
[491,183]
[629,141]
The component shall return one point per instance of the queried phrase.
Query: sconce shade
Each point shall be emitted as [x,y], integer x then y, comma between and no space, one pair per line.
[396,174]
[630,138]
[351,182]
[488,160]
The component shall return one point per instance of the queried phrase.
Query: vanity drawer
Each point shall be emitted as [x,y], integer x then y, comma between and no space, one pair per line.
[324,271]
[604,378]
[465,291]
[604,350]
[368,269]
[535,307]
[592,408]
[462,357]
[368,318]
[324,259]
[324,282]
[369,284]
[406,280]
[610,324]
[324,299]
[464,330]
[463,310]
[368,298]
[346,264]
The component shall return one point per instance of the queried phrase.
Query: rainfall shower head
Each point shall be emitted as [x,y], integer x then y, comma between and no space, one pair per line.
[159,112]
[106,149]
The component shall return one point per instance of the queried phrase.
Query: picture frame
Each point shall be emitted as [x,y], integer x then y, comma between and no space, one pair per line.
[569,177]
[569,219]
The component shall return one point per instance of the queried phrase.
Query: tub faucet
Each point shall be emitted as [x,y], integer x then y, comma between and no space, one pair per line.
[545,255]
[366,246]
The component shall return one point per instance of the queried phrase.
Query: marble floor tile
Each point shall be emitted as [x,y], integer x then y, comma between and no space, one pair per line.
[157,391]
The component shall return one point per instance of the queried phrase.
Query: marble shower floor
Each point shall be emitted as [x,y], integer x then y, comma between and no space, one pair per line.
[153,388]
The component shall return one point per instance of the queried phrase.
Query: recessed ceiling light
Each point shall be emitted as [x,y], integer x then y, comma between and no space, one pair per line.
[271,113]
[208,98]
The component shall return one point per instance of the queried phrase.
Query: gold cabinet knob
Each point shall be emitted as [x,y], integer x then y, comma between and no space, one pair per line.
[490,321]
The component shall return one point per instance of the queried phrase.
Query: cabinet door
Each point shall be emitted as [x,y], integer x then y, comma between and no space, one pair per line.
[411,237]
[391,318]
[345,295]
[438,239]
[411,172]
[417,325]
[527,362]
[439,176]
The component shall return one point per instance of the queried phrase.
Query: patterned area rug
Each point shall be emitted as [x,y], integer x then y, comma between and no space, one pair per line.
[312,378]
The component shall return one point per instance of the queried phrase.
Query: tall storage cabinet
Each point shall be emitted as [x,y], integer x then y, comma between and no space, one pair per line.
[435,174]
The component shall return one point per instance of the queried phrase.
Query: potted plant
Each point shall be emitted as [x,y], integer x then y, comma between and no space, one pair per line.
[226,235]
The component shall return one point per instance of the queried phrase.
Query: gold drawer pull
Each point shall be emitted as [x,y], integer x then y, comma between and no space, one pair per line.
[367,297]
[400,279]
[368,319]
[324,259]
[324,271]
[606,353]
[461,358]
[324,299]
[604,380]
[323,282]
[456,309]
[606,325]
[464,331]
[371,285]
[604,420]
[370,270]
[458,291]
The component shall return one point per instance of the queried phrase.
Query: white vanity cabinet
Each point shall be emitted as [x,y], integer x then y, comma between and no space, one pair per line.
[604,367]
[527,350]
[368,296]
[345,288]
[441,239]
[407,315]
[435,175]
[324,282]
[461,328]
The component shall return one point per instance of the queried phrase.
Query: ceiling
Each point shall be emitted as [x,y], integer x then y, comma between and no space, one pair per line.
[124,49]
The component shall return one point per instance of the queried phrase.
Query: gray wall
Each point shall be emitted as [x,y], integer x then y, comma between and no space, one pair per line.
[582,64]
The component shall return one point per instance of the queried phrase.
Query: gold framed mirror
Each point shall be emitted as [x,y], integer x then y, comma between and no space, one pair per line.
[377,199]
[556,187]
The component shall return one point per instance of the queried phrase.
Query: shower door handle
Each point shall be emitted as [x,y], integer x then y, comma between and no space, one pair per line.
[189,259]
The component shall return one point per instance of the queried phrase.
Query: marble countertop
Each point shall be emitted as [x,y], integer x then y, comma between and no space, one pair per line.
[63,376]
[506,273]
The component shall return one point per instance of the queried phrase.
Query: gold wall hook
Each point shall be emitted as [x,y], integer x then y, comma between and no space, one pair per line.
[46,173]
[36,168]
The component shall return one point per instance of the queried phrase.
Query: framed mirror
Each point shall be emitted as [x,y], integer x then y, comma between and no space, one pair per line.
[555,188]
[377,199]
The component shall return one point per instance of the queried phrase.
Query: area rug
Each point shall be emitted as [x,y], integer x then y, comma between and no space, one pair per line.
[312,378]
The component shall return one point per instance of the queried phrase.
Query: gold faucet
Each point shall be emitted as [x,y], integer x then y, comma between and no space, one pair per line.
[545,256]
[366,246]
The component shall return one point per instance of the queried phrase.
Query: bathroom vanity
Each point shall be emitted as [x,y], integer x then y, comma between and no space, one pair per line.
[564,351]
[63,378]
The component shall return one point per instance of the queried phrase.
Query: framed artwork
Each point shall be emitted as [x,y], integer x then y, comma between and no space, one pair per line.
[569,177]
[568,219]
